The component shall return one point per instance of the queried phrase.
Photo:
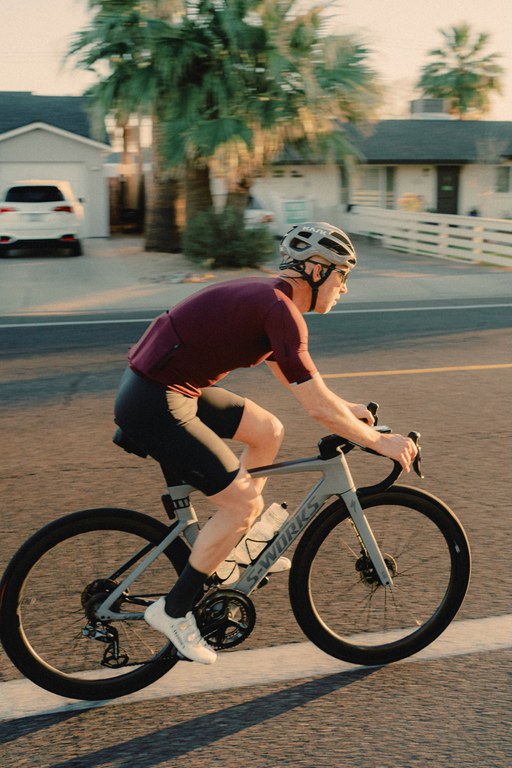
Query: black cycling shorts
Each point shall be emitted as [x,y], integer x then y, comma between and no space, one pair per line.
[184,434]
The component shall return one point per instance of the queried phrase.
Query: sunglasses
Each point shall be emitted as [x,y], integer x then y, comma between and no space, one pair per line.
[343,272]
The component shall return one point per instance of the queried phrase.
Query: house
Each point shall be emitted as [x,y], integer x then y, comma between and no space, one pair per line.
[428,162]
[51,137]
[445,166]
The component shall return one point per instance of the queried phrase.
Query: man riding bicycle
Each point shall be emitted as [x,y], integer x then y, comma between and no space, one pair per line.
[168,404]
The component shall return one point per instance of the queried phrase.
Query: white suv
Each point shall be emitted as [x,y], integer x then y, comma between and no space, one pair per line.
[40,213]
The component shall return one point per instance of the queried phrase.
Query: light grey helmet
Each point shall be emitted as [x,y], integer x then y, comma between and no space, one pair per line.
[317,238]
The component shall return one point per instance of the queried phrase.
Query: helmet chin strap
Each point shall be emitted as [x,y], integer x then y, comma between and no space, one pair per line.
[314,284]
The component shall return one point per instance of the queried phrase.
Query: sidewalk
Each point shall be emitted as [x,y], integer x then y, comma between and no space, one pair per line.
[117,275]
[114,274]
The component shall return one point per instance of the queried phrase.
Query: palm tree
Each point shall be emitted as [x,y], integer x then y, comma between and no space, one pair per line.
[226,82]
[462,73]
[300,87]
[118,45]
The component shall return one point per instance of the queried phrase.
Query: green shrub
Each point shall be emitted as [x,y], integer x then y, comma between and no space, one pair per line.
[219,240]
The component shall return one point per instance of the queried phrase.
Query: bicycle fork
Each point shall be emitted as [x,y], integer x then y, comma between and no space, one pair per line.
[364,533]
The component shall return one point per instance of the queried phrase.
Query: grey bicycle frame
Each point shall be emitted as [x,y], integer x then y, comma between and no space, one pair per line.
[336,480]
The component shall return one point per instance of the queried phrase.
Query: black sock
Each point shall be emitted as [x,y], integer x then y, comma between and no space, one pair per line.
[183,596]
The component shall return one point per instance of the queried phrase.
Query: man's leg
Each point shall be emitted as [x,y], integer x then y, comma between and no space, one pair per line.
[262,433]
[237,506]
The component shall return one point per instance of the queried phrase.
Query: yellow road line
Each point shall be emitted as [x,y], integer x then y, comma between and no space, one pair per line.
[410,371]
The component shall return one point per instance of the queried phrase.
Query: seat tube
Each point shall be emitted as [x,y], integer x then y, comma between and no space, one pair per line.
[366,537]
[184,511]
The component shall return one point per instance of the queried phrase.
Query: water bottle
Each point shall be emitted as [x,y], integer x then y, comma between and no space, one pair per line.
[254,541]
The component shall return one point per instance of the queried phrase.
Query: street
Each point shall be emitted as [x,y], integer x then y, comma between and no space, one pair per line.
[439,364]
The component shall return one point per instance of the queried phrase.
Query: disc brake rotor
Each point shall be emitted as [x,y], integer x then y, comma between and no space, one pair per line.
[367,572]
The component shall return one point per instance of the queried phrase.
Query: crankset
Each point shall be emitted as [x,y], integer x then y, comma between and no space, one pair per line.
[225,618]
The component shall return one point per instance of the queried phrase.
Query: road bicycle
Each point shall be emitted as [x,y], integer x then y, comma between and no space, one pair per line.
[377,575]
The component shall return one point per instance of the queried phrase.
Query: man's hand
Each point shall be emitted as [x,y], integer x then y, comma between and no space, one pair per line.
[361,412]
[397,447]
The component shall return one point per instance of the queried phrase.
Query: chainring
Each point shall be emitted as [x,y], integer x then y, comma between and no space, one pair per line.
[225,618]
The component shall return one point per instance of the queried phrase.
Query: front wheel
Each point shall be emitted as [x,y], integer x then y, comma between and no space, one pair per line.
[49,592]
[338,599]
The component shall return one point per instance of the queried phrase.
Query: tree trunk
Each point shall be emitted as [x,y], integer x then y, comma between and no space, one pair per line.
[238,195]
[197,189]
[163,231]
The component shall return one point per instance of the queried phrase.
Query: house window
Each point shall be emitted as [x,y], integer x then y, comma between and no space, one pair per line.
[503,178]
[390,186]
[368,188]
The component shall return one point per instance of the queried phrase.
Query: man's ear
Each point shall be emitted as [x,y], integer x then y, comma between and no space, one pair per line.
[317,272]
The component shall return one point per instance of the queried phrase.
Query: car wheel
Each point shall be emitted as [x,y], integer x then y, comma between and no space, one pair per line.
[76,248]
[4,250]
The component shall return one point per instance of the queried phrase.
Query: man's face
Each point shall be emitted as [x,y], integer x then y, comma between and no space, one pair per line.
[331,290]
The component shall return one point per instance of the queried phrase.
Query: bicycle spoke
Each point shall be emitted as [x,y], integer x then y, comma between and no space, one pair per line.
[420,568]
[59,601]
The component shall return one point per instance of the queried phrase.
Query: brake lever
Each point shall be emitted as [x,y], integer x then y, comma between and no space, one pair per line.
[416,465]
[373,408]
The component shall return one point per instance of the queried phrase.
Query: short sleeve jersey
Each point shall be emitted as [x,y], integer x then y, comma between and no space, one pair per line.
[223,327]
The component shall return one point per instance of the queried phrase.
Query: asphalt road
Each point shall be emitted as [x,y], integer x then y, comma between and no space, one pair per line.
[440,371]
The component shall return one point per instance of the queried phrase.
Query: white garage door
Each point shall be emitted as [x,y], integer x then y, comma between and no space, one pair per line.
[74,173]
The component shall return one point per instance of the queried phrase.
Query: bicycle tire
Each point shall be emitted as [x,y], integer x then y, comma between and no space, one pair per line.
[44,594]
[337,599]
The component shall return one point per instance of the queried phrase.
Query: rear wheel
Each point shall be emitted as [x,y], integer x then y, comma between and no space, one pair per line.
[338,599]
[49,593]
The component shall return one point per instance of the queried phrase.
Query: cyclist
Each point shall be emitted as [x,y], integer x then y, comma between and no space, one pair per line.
[168,404]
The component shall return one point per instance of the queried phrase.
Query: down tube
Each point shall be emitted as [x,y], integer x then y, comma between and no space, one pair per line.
[293,527]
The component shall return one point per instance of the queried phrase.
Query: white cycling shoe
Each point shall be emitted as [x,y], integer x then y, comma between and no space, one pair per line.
[182,632]
[228,572]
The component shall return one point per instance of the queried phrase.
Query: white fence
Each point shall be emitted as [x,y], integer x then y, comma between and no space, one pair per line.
[462,237]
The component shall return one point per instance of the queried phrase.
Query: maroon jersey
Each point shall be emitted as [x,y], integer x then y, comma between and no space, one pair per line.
[228,325]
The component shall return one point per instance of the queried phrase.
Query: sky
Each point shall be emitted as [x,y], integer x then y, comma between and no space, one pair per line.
[34,35]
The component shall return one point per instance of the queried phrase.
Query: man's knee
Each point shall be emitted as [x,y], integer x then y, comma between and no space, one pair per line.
[259,426]
[269,430]
[277,429]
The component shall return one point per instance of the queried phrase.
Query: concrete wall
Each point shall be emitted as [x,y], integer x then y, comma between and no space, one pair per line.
[294,193]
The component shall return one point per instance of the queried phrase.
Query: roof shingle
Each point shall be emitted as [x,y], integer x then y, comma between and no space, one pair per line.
[433,141]
[20,108]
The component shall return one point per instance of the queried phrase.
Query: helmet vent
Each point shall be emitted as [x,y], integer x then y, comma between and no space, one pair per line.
[332,245]
[298,245]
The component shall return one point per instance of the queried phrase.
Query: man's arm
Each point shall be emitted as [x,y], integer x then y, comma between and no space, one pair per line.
[277,372]
[343,418]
